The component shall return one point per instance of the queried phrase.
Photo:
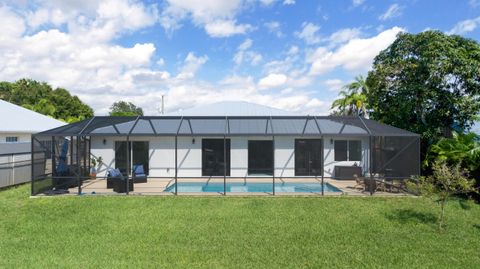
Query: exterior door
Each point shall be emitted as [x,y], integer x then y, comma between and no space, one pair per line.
[308,157]
[137,154]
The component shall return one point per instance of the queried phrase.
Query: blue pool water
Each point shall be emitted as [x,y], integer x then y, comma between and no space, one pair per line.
[251,187]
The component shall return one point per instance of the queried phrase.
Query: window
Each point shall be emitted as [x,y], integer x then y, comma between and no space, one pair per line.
[11,139]
[355,150]
[260,157]
[139,149]
[213,158]
[341,150]
[348,150]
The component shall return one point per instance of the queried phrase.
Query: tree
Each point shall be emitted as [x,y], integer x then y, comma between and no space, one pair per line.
[353,98]
[445,182]
[461,149]
[122,108]
[43,106]
[427,83]
[41,98]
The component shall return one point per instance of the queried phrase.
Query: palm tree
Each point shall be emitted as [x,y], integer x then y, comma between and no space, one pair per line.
[353,100]
[359,85]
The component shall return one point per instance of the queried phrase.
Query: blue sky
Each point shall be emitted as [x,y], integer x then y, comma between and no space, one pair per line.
[290,54]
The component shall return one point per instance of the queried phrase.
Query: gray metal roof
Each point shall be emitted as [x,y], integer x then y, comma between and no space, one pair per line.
[228,126]
[16,119]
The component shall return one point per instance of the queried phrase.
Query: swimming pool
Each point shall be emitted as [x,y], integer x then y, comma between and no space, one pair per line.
[239,187]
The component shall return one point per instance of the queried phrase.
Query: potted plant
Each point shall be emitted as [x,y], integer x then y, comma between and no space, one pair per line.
[93,169]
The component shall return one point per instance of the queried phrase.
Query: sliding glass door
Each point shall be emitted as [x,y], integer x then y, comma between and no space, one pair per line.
[136,149]
[213,160]
[308,157]
[260,157]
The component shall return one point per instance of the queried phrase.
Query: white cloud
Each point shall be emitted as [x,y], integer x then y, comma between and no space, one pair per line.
[226,28]
[289,2]
[357,3]
[393,11]
[334,84]
[217,17]
[161,62]
[37,18]
[267,2]
[243,54]
[474,3]
[245,44]
[309,33]
[128,15]
[344,35]
[191,64]
[75,59]
[274,27]
[204,10]
[272,81]
[293,50]
[355,55]
[83,57]
[465,26]
[12,25]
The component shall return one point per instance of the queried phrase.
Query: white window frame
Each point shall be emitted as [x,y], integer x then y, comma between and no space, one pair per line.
[11,139]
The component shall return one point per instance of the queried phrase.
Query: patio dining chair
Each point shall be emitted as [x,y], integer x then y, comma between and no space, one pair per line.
[373,185]
[395,185]
[359,182]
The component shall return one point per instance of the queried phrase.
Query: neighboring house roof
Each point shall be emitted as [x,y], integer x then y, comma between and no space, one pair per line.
[16,119]
[232,108]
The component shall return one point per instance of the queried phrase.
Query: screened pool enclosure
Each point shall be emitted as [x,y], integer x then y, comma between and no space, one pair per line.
[219,155]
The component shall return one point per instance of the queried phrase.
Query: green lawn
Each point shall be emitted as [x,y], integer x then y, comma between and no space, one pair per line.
[234,232]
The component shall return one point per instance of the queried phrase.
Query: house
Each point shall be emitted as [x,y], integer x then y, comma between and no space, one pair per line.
[230,141]
[18,124]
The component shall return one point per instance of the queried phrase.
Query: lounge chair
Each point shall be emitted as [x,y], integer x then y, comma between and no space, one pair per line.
[139,175]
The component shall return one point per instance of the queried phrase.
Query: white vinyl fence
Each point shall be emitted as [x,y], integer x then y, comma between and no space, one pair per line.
[15,168]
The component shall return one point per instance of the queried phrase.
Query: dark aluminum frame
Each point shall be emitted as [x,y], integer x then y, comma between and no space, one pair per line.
[110,126]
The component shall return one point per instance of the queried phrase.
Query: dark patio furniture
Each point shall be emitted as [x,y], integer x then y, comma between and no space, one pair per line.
[391,186]
[347,172]
[112,175]
[139,175]
[359,182]
[120,185]
[118,182]
[372,185]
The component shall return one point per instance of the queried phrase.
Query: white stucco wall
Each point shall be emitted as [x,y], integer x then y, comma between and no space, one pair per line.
[22,137]
[162,155]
